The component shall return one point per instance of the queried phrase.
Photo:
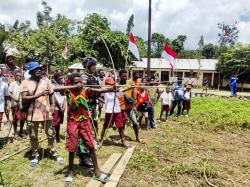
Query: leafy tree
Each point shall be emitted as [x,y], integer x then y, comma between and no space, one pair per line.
[236,61]
[47,41]
[142,46]
[187,54]
[208,51]
[130,24]
[3,37]
[94,30]
[158,40]
[44,18]
[178,43]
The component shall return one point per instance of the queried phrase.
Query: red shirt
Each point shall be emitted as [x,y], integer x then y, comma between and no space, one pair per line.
[78,108]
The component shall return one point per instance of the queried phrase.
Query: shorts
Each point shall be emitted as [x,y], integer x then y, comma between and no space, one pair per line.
[117,118]
[165,108]
[17,114]
[186,104]
[76,129]
[58,118]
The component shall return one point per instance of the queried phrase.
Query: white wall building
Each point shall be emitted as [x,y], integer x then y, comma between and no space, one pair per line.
[185,68]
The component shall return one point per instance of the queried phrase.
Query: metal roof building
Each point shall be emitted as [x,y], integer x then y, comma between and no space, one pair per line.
[180,64]
[186,68]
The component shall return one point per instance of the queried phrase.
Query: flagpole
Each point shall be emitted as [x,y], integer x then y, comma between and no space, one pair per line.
[149,40]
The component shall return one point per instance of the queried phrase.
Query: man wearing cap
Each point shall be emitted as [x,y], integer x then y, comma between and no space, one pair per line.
[89,63]
[38,91]
[178,96]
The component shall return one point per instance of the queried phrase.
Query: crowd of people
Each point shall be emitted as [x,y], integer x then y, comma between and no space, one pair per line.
[37,99]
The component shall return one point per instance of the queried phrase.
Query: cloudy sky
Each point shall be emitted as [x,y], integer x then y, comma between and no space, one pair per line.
[170,17]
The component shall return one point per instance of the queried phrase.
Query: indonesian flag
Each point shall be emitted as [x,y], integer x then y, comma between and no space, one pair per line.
[65,51]
[169,55]
[132,46]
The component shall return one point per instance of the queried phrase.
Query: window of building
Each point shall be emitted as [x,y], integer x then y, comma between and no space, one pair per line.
[179,74]
[190,74]
[164,76]
[187,74]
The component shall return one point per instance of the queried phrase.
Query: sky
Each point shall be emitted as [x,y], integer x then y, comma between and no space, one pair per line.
[192,18]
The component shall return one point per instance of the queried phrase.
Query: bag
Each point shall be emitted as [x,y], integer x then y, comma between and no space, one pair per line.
[128,99]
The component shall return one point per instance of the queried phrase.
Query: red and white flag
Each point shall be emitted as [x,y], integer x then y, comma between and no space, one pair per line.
[132,46]
[65,51]
[169,55]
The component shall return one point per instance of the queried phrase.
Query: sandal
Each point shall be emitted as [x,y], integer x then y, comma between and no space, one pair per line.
[34,162]
[59,160]
[68,180]
[103,178]
[142,141]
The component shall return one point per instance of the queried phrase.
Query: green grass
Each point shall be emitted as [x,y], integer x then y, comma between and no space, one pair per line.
[212,141]
[219,113]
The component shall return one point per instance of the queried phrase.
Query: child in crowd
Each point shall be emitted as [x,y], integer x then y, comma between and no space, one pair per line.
[60,102]
[142,104]
[166,99]
[78,124]
[187,99]
[113,112]
[15,96]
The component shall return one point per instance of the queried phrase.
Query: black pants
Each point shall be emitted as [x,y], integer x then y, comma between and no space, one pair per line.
[151,117]
[174,103]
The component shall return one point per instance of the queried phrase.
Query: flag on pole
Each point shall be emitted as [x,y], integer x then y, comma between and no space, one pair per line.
[132,46]
[169,55]
[65,51]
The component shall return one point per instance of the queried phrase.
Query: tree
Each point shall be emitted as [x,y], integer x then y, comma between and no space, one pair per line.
[47,41]
[236,61]
[178,43]
[96,29]
[130,24]
[208,51]
[3,37]
[142,46]
[44,18]
[157,41]
[187,54]
[228,34]
[201,43]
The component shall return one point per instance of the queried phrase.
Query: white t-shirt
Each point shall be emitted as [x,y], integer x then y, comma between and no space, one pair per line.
[187,95]
[109,103]
[166,98]
[3,93]
[14,90]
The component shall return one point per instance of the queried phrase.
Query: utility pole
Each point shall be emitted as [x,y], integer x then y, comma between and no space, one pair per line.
[149,40]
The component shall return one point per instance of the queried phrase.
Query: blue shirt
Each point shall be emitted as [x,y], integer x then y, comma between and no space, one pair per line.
[233,81]
[178,91]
